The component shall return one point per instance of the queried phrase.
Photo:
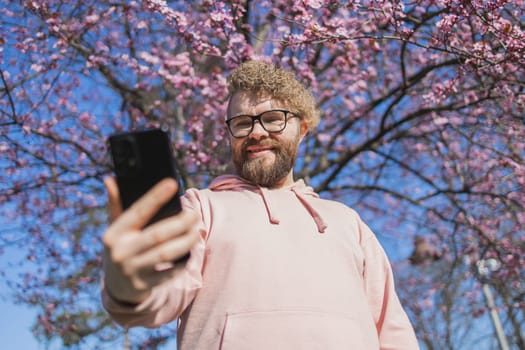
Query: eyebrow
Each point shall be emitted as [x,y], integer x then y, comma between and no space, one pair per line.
[268,110]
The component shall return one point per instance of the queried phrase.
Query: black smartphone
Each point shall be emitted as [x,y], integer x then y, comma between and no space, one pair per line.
[140,160]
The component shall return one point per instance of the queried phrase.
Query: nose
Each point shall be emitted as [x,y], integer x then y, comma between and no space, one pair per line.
[258,131]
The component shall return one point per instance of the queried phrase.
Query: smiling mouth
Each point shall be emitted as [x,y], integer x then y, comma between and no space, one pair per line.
[257,151]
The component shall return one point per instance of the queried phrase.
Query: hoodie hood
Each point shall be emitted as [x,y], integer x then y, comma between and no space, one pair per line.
[299,188]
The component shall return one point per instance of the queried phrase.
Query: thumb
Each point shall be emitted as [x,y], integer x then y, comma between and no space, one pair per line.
[115,208]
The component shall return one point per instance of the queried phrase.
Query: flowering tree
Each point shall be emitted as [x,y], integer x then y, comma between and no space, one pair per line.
[422,131]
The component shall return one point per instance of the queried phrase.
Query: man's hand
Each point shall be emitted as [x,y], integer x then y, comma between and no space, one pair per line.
[133,254]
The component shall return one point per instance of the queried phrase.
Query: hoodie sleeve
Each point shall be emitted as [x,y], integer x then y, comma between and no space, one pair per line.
[168,300]
[394,329]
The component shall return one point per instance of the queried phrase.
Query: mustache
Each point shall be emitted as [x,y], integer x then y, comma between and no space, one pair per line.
[275,145]
[263,143]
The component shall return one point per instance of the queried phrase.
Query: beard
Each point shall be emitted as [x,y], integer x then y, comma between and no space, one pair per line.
[258,171]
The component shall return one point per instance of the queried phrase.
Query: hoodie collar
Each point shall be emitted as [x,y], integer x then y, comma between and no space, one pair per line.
[299,188]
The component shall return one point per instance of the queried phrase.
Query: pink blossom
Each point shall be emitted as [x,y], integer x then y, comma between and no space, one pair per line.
[92,19]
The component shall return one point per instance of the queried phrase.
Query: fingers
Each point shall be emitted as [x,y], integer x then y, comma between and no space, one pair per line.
[135,258]
[169,229]
[138,215]
[141,272]
[166,252]
[115,209]
[163,231]
[134,254]
[131,279]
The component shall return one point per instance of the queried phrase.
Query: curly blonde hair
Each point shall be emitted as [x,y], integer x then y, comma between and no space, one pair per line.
[264,78]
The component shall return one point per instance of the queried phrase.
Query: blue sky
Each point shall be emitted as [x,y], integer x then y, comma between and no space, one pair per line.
[15,326]
[15,320]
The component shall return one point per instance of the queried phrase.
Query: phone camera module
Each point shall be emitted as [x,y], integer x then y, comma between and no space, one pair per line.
[126,158]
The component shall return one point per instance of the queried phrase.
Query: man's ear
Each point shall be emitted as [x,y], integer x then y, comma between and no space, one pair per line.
[304,129]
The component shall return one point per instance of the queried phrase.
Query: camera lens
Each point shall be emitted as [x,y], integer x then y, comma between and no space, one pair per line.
[125,156]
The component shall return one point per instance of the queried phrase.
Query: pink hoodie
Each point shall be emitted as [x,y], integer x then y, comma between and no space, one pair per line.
[277,269]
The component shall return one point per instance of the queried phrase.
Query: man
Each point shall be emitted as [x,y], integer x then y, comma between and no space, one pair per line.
[272,265]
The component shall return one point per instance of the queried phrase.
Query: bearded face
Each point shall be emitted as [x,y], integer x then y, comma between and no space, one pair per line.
[270,168]
[265,158]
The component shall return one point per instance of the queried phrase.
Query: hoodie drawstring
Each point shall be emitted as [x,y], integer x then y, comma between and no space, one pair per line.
[321,225]
[264,196]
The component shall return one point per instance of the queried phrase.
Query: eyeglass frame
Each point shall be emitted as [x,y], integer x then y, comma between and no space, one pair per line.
[257,117]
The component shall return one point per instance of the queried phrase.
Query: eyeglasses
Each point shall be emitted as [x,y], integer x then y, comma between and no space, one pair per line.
[272,121]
